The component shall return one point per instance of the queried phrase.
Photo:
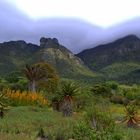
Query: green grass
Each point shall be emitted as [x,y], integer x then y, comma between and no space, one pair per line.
[128,133]
[23,123]
[120,69]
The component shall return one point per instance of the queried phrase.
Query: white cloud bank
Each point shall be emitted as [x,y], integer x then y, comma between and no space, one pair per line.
[104,13]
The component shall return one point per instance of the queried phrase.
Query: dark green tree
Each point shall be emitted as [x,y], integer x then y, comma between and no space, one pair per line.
[101,90]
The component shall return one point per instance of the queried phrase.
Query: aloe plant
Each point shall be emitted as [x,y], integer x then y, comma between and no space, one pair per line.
[69,90]
[131,117]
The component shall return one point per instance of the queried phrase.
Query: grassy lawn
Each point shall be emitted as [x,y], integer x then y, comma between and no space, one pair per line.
[24,123]
[129,133]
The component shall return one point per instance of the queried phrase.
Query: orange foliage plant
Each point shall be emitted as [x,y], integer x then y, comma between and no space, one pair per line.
[25,98]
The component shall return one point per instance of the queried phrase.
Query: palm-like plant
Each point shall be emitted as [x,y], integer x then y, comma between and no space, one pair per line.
[39,73]
[131,117]
[33,74]
[69,90]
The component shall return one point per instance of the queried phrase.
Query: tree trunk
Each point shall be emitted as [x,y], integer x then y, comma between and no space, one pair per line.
[131,123]
[67,108]
[32,86]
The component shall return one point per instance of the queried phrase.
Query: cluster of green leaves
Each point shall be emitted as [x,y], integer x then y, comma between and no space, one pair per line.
[14,80]
[98,125]
[65,89]
[101,90]
[41,76]
[121,94]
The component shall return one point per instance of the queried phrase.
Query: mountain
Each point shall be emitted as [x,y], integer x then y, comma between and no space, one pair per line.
[14,55]
[119,60]
[67,64]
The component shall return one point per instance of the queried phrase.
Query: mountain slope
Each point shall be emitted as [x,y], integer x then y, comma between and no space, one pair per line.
[66,63]
[15,54]
[115,60]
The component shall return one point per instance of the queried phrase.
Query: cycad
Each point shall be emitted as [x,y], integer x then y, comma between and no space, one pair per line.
[69,90]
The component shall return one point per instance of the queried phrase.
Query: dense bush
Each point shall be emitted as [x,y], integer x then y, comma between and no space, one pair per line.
[98,125]
[131,93]
[102,90]
[118,99]
[13,77]
[112,84]
[82,131]
[99,117]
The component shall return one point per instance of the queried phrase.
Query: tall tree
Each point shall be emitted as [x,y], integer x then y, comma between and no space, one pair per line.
[40,75]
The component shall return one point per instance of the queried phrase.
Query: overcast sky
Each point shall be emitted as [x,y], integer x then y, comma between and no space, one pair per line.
[78,24]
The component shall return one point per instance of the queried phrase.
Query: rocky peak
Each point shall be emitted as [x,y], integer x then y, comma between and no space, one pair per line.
[13,43]
[48,42]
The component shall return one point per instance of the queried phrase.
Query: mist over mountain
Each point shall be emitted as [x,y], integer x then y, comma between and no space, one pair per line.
[76,34]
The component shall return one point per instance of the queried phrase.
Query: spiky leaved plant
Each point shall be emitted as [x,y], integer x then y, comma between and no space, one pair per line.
[68,92]
[131,117]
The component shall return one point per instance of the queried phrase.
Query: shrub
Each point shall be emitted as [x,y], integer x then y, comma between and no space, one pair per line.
[82,131]
[112,84]
[63,98]
[131,118]
[131,93]
[13,77]
[118,99]
[25,98]
[102,90]
[99,118]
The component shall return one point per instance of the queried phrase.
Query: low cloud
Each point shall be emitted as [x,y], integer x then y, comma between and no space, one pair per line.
[75,34]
